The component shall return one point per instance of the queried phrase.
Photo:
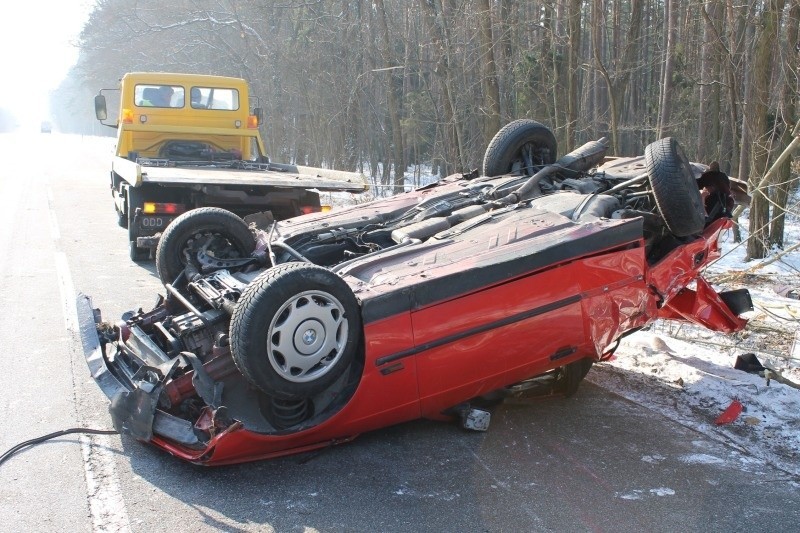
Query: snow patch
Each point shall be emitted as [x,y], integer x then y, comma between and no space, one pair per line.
[640,494]
[662,491]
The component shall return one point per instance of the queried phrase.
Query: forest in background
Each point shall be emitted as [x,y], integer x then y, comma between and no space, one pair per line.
[380,85]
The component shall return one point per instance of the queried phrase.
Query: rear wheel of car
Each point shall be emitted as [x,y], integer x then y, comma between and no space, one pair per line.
[518,147]
[205,229]
[674,187]
[295,330]
[572,375]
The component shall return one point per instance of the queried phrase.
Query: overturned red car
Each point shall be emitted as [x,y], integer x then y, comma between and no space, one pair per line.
[285,337]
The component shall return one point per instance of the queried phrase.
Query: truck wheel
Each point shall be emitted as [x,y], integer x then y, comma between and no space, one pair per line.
[674,187]
[132,201]
[312,200]
[122,218]
[118,195]
[517,146]
[206,228]
[138,254]
[295,330]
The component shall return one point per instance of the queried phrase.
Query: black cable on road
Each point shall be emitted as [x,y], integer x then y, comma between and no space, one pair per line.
[49,436]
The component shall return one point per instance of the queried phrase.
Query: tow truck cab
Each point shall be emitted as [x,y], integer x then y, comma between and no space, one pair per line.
[186,141]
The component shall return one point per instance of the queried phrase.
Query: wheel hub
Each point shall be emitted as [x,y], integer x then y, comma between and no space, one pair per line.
[309,337]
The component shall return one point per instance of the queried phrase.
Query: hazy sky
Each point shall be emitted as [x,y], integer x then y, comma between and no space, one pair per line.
[37,48]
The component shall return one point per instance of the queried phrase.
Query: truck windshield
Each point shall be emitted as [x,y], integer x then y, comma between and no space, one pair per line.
[214,98]
[158,96]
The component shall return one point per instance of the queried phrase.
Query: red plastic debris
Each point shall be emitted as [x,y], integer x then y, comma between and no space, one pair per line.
[730,414]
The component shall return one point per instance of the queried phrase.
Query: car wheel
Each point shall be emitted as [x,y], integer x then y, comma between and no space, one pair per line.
[295,330]
[674,187]
[572,375]
[519,146]
[207,228]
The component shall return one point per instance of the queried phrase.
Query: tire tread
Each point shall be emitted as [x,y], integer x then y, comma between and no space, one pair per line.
[506,142]
[168,266]
[674,187]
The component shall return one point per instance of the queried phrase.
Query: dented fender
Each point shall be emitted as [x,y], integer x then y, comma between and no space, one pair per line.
[705,307]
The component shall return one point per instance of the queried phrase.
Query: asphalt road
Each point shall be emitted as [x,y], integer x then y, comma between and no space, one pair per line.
[594,462]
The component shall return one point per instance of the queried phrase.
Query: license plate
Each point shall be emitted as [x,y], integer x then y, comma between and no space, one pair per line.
[153,224]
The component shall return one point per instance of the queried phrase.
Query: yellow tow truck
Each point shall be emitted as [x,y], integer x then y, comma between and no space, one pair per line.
[186,141]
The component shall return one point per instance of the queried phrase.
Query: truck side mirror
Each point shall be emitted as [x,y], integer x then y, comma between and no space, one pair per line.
[100,107]
[258,114]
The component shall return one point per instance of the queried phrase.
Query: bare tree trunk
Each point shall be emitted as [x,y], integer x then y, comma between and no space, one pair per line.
[617,86]
[708,116]
[671,16]
[595,31]
[551,68]
[392,99]
[491,93]
[452,137]
[763,57]
[746,138]
[573,89]
[737,26]
[790,93]
[507,75]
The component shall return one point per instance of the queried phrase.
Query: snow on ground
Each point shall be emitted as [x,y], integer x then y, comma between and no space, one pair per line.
[687,373]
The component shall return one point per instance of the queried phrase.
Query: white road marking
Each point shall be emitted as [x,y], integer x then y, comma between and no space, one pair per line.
[67,291]
[106,506]
[105,497]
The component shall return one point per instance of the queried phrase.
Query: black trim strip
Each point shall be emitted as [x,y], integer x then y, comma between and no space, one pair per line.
[480,329]
[392,369]
[596,240]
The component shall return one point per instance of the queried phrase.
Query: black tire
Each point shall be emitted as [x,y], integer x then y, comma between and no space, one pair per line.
[572,375]
[193,229]
[674,187]
[133,200]
[507,150]
[118,191]
[122,219]
[295,330]
[137,254]
[311,199]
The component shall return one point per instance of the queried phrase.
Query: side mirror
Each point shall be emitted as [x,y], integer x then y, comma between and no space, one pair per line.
[258,114]
[100,107]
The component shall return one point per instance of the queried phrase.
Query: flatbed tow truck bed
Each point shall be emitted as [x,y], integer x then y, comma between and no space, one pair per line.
[253,174]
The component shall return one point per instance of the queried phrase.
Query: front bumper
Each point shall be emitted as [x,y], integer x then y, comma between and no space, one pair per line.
[134,398]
